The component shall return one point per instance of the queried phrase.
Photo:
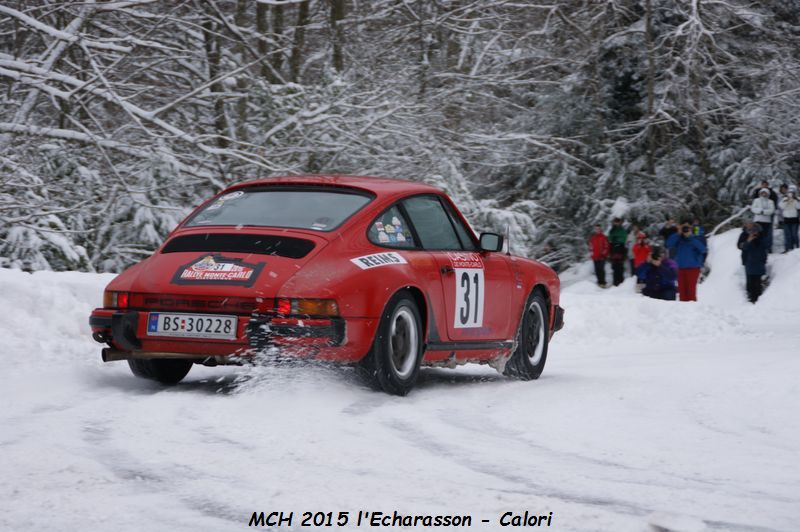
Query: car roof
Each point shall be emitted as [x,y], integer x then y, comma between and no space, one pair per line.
[380,186]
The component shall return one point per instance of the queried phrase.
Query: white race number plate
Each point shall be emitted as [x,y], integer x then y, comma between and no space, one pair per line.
[192,325]
[469,298]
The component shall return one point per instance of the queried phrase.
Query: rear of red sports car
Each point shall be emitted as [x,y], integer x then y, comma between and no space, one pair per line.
[213,289]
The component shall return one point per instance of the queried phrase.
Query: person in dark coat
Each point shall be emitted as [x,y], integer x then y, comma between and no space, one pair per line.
[668,229]
[754,258]
[656,276]
[616,237]
[743,236]
[772,194]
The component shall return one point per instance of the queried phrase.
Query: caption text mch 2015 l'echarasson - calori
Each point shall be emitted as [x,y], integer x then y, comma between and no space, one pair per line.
[395,519]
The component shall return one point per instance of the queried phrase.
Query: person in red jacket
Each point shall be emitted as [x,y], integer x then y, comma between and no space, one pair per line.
[640,250]
[600,249]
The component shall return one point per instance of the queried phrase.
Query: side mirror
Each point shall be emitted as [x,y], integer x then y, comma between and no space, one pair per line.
[491,242]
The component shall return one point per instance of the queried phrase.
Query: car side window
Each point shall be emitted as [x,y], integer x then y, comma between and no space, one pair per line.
[432,223]
[390,229]
[463,232]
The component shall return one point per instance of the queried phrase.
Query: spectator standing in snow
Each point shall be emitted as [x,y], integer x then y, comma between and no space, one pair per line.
[782,190]
[743,236]
[630,241]
[640,250]
[657,276]
[754,258]
[688,250]
[763,208]
[668,229]
[772,195]
[789,207]
[600,250]
[616,238]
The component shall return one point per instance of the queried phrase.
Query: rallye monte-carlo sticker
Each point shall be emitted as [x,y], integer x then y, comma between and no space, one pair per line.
[378,259]
[216,269]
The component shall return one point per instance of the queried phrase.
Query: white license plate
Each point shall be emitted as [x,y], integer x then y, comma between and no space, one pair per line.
[192,325]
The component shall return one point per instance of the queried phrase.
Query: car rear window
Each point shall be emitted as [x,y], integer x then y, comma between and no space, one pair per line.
[283,246]
[312,208]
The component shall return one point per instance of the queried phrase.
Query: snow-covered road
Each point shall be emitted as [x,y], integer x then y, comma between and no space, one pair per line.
[649,414]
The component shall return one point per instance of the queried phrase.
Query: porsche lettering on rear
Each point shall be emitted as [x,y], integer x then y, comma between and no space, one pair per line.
[381,273]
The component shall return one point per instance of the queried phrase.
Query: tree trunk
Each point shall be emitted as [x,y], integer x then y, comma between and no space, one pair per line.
[241,21]
[212,47]
[651,74]
[262,27]
[276,58]
[299,40]
[337,15]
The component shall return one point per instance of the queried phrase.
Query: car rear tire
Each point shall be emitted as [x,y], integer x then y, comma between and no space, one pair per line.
[392,364]
[527,361]
[163,370]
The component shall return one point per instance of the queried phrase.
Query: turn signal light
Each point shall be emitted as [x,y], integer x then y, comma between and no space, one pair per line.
[116,299]
[307,307]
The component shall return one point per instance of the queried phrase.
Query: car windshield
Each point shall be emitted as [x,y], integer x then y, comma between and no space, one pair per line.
[319,210]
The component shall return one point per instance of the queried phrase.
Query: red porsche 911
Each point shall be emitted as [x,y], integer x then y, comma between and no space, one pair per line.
[382,273]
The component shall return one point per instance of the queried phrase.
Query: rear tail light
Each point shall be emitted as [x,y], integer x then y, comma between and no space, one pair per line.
[307,307]
[116,299]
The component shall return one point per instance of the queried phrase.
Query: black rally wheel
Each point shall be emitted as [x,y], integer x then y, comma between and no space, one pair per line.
[527,361]
[393,362]
[163,370]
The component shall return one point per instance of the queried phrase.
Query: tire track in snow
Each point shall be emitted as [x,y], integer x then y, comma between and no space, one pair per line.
[453,453]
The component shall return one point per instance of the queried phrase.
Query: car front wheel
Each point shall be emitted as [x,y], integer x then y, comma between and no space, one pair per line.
[393,362]
[163,370]
[527,361]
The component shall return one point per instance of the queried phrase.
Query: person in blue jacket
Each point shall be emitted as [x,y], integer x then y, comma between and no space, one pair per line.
[689,252]
[657,276]
[754,258]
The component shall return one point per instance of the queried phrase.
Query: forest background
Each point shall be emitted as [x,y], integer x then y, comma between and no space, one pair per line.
[539,117]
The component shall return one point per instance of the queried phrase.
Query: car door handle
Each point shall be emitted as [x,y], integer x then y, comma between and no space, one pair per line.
[446,269]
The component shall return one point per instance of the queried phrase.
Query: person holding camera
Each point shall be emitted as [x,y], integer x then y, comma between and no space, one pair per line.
[763,208]
[689,251]
[656,276]
[789,207]
[754,258]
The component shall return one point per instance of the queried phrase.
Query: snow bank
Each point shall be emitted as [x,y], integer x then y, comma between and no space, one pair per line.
[45,315]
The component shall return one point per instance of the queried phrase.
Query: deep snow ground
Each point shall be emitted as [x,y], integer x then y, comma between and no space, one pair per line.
[649,413]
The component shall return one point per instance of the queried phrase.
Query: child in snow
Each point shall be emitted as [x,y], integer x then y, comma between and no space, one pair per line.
[656,276]
[640,250]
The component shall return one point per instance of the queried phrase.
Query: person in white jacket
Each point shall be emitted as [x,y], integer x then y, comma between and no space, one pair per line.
[791,208]
[763,208]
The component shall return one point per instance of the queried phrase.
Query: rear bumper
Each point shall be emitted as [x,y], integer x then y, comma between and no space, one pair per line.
[338,339]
